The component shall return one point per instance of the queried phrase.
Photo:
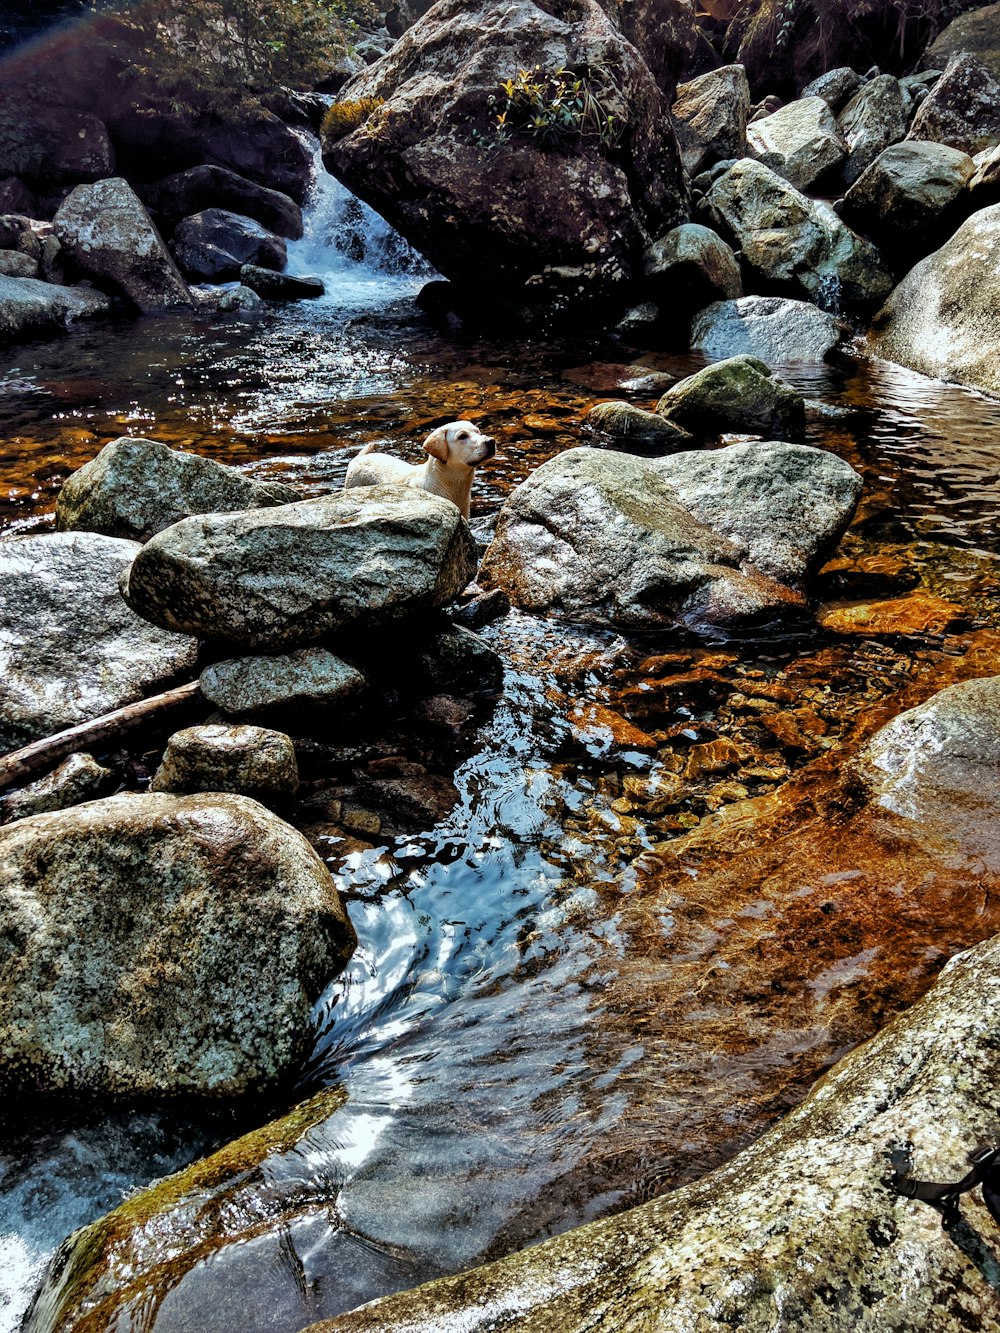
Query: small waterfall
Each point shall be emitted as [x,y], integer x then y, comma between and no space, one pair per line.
[364,263]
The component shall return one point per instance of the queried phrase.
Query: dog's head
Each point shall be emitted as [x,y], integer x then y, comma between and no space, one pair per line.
[459,444]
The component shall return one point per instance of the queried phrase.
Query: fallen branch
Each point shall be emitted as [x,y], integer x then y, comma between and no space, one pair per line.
[20,766]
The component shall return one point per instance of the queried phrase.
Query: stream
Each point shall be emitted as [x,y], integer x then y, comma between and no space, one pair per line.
[500,1087]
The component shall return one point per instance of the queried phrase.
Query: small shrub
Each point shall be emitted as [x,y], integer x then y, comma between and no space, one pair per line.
[343,117]
[555,108]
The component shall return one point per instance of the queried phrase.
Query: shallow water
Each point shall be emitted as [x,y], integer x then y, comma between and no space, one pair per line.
[500,1087]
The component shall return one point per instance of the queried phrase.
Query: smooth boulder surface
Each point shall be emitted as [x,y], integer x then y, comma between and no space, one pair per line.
[29,306]
[804,138]
[963,108]
[251,761]
[77,779]
[738,394]
[625,421]
[157,945]
[793,243]
[108,233]
[561,226]
[774,328]
[212,246]
[600,538]
[187,192]
[311,678]
[874,118]
[689,267]
[70,648]
[710,117]
[977,32]
[275,579]
[906,190]
[944,317]
[135,488]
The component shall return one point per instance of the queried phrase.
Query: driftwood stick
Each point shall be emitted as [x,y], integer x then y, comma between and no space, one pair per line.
[20,766]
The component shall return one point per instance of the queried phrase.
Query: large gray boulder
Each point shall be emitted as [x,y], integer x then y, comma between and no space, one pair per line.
[874,118]
[28,306]
[186,192]
[907,192]
[212,246]
[738,394]
[789,241]
[710,117]
[109,235]
[274,579]
[569,207]
[135,488]
[774,328]
[963,108]
[642,543]
[70,648]
[156,945]
[977,32]
[689,267]
[802,141]
[944,317]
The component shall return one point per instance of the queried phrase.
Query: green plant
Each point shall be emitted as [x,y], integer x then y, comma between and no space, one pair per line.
[555,108]
[343,117]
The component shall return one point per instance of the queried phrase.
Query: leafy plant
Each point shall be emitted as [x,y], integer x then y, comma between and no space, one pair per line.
[343,117]
[555,108]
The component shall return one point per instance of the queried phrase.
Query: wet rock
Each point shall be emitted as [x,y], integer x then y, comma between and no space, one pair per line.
[209,187]
[875,117]
[70,648]
[835,86]
[738,394]
[482,610]
[158,945]
[271,286]
[135,488]
[15,264]
[639,325]
[773,328]
[48,143]
[942,319]
[963,109]
[213,246]
[908,193]
[805,139]
[282,578]
[456,661]
[29,306]
[311,678]
[108,233]
[625,421]
[689,267]
[710,117]
[568,211]
[917,614]
[977,31]
[794,243]
[241,299]
[79,778]
[604,538]
[251,761]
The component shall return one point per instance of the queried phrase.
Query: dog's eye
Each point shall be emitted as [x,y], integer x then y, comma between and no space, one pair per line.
[464,435]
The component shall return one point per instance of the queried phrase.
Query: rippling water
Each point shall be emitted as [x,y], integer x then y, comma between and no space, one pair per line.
[496,1094]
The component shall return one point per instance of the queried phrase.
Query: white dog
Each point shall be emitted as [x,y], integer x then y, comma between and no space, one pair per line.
[455,451]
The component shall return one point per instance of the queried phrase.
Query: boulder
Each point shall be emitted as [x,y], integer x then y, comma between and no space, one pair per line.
[963,108]
[875,117]
[251,761]
[835,86]
[109,235]
[611,539]
[944,317]
[802,141]
[570,207]
[977,32]
[907,197]
[664,34]
[271,286]
[29,306]
[275,579]
[710,117]
[255,143]
[213,246]
[135,488]
[773,328]
[187,192]
[796,245]
[241,299]
[158,945]
[70,648]
[49,144]
[689,267]
[738,394]
[312,678]
[624,421]
[79,778]
[984,187]
[15,197]
[455,661]
[16,264]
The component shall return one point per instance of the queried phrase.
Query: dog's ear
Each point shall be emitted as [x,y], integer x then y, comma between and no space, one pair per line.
[436,444]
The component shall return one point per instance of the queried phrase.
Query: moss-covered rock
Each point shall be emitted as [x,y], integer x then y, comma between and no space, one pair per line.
[738,394]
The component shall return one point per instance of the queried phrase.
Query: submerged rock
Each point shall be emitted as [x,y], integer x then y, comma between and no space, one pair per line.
[738,394]
[160,945]
[311,678]
[773,328]
[802,141]
[944,317]
[710,117]
[625,421]
[70,648]
[135,488]
[251,761]
[79,778]
[282,578]
[963,108]
[108,233]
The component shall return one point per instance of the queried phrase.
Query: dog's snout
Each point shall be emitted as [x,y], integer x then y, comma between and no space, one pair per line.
[490,446]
